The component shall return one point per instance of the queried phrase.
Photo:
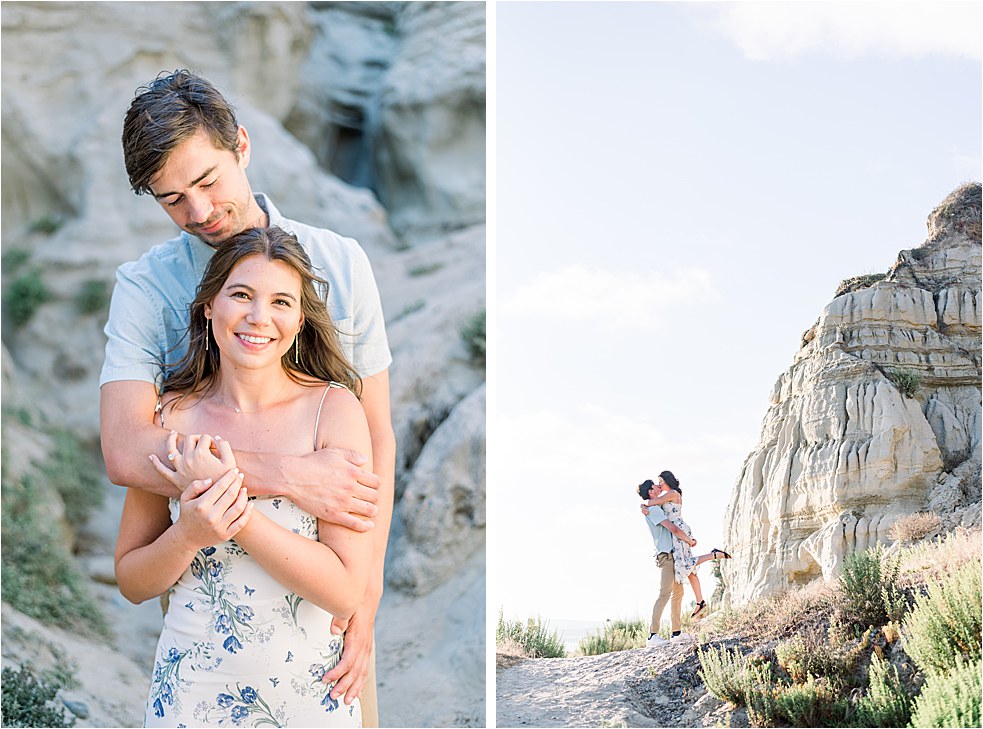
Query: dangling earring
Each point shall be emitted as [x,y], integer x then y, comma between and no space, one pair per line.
[297,350]
[206,333]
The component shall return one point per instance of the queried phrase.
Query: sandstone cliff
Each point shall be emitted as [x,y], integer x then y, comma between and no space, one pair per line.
[367,118]
[877,417]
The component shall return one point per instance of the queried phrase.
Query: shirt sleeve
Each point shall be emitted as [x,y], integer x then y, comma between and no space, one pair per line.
[371,347]
[656,515]
[132,333]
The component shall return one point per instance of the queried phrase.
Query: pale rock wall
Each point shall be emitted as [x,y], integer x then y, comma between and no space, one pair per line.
[843,453]
[433,112]
[392,95]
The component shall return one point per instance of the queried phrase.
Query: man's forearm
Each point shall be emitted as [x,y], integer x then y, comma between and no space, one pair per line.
[384,466]
[267,474]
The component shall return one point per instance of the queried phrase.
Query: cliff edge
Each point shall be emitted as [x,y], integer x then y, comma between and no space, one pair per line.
[878,416]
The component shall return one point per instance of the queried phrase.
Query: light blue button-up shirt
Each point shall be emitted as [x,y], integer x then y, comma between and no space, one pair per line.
[660,535]
[148,316]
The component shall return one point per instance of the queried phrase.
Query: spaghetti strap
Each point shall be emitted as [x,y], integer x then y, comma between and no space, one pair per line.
[317,420]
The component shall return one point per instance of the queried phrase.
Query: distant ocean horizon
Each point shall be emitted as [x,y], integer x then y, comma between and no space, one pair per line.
[571,632]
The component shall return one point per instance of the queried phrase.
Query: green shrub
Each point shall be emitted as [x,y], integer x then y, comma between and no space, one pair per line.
[25,700]
[760,693]
[617,635]
[93,297]
[907,381]
[426,268]
[869,579]
[952,700]
[22,297]
[812,653]
[473,333]
[722,670]
[73,475]
[46,224]
[39,577]
[816,702]
[864,281]
[14,259]
[945,624]
[535,637]
[886,703]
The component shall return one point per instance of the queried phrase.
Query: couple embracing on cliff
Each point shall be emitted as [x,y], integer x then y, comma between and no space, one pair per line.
[662,507]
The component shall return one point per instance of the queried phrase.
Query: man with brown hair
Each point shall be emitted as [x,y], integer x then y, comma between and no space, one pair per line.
[183,145]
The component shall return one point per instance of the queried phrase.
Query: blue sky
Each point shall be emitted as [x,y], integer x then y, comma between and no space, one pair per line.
[679,189]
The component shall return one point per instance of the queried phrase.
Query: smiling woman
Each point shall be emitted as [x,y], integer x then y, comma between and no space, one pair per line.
[249,620]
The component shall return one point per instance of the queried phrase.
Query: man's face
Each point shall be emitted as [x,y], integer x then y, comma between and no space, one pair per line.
[204,189]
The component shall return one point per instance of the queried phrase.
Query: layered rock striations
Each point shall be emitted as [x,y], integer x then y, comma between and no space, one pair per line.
[878,416]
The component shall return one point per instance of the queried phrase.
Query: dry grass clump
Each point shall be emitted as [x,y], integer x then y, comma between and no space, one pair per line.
[931,561]
[914,527]
[508,652]
[777,616]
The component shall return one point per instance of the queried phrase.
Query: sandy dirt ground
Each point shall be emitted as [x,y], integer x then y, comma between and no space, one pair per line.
[646,687]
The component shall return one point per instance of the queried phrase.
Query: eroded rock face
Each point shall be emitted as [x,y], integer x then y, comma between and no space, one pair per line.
[425,126]
[878,417]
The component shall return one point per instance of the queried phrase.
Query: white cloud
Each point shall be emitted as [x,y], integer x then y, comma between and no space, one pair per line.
[609,299]
[782,30]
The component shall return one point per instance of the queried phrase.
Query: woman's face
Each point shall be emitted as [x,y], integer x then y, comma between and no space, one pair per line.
[662,483]
[257,314]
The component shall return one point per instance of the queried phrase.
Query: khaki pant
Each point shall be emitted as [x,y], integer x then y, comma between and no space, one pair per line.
[370,698]
[669,589]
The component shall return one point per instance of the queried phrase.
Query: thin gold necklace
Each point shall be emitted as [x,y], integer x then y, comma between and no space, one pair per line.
[255,410]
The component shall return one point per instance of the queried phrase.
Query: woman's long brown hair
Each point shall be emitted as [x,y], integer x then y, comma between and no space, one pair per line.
[321,357]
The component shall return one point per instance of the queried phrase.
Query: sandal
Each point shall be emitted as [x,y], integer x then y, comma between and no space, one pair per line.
[715,551]
[699,607]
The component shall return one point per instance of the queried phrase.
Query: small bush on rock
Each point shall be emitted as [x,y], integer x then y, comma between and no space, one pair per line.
[913,527]
[907,381]
[22,297]
[473,333]
[26,699]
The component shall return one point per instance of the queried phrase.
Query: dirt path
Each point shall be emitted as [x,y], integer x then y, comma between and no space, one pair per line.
[638,688]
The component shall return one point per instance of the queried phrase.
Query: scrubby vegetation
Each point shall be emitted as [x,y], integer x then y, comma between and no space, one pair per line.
[93,296]
[23,296]
[39,576]
[27,699]
[473,333]
[864,281]
[617,635]
[907,381]
[890,643]
[532,639]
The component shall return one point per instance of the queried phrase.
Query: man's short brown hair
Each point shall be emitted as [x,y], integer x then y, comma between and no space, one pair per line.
[169,110]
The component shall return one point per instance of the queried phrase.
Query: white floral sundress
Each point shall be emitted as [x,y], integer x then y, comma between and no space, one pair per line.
[240,650]
[682,554]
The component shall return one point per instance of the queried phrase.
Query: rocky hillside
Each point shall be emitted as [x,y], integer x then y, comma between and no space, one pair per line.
[365,117]
[877,417]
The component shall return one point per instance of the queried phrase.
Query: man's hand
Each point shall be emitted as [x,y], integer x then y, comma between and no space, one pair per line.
[332,485]
[353,669]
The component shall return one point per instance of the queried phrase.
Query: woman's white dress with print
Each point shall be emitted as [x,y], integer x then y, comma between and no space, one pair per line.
[682,555]
[240,650]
